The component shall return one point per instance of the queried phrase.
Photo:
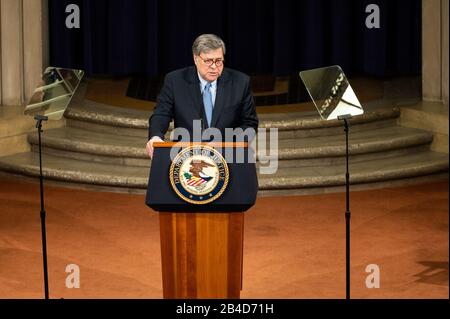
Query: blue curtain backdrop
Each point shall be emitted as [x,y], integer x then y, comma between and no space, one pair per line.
[152,37]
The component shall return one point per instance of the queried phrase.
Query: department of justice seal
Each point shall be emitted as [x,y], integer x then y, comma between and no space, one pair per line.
[199,174]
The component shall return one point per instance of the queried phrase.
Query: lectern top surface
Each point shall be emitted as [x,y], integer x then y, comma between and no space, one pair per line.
[211,144]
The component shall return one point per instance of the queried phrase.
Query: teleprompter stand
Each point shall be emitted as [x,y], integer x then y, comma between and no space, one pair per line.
[345,118]
[39,119]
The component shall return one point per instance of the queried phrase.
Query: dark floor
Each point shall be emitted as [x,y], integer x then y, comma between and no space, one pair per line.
[294,246]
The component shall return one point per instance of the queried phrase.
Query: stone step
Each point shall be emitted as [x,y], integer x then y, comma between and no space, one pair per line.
[340,160]
[94,112]
[93,116]
[414,165]
[370,141]
[132,177]
[129,150]
[287,163]
[296,132]
[76,171]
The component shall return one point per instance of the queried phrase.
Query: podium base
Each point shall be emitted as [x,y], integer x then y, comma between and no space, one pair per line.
[202,254]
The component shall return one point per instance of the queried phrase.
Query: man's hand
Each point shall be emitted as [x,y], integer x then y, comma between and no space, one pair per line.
[149,146]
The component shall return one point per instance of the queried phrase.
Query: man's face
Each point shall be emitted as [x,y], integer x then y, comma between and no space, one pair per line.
[209,72]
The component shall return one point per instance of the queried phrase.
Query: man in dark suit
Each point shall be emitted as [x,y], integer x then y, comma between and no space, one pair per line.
[220,97]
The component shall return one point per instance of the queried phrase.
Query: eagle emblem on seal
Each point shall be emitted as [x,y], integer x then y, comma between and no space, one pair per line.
[199,174]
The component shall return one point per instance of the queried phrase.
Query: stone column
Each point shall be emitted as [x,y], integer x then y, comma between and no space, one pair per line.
[35,43]
[435,50]
[23,48]
[23,56]
[445,53]
[432,113]
[12,52]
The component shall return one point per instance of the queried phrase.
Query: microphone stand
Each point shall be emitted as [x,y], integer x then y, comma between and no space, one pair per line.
[39,119]
[345,118]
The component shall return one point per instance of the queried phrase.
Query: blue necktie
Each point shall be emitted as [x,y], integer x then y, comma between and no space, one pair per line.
[207,102]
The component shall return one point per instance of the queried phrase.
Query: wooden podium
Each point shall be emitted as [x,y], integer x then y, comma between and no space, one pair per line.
[202,244]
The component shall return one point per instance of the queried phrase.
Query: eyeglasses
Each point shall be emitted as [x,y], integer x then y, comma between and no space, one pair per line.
[210,62]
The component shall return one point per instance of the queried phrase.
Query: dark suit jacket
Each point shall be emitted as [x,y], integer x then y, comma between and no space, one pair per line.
[180,99]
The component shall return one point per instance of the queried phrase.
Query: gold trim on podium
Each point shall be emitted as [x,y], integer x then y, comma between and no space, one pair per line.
[212,144]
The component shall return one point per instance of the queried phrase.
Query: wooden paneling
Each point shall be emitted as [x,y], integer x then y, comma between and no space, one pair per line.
[201,254]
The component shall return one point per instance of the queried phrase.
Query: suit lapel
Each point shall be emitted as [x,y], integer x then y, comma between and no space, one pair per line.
[221,94]
[196,96]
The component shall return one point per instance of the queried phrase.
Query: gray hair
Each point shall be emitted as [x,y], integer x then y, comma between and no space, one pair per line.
[207,42]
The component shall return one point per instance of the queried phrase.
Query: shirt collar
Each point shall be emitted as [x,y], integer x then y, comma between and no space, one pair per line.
[203,82]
